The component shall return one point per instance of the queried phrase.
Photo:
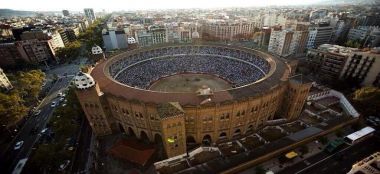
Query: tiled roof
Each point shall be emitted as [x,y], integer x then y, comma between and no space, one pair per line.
[132,151]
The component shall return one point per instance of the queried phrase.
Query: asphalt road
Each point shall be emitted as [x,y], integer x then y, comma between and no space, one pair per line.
[339,162]
[11,156]
[83,149]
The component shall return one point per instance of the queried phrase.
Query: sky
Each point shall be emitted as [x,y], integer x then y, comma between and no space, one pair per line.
[115,5]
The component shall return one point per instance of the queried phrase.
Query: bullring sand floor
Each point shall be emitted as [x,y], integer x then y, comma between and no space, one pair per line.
[189,83]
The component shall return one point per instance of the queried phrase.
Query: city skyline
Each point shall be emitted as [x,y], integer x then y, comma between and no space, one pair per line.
[147,4]
[175,86]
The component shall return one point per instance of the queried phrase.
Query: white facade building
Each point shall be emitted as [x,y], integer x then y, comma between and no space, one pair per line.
[369,165]
[56,41]
[287,42]
[319,36]
[4,82]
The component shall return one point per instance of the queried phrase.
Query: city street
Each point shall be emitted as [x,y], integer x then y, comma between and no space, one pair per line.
[339,162]
[11,156]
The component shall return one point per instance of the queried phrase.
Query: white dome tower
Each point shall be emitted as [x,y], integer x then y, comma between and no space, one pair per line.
[83,81]
[96,50]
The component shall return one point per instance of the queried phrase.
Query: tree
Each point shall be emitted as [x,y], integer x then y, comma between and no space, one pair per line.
[367,100]
[13,105]
[93,34]
[28,85]
[353,44]
[11,108]
[70,52]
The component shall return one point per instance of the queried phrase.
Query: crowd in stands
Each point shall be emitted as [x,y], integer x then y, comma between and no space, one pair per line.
[238,67]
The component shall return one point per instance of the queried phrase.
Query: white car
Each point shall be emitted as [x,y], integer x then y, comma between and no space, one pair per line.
[53,104]
[44,130]
[18,145]
[64,165]
[62,99]
[20,165]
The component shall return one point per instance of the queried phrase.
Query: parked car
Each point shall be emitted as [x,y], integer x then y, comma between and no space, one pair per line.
[44,130]
[18,145]
[53,104]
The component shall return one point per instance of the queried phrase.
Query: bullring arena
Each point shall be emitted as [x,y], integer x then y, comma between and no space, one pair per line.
[189,94]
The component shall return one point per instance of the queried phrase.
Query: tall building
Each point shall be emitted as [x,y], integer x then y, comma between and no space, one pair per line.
[338,62]
[69,35]
[264,37]
[273,19]
[33,51]
[319,35]
[280,41]
[11,54]
[114,39]
[368,35]
[65,12]
[315,14]
[52,38]
[38,51]
[4,82]
[56,40]
[143,38]
[159,34]
[225,30]
[368,165]
[363,67]
[89,13]
[290,41]
[369,20]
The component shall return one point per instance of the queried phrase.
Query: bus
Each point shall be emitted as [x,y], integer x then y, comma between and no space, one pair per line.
[359,135]
[20,165]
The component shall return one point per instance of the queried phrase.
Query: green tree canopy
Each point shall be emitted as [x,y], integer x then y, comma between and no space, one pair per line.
[27,86]
[70,52]
[11,108]
[367,100]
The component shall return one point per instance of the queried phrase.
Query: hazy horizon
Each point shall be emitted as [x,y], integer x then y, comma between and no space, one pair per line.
[117,5]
